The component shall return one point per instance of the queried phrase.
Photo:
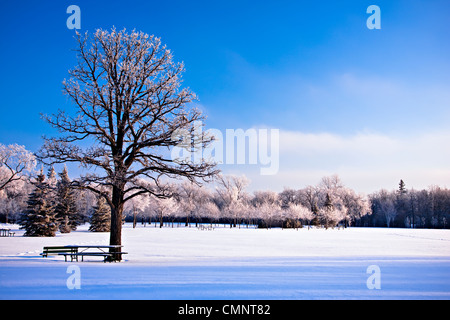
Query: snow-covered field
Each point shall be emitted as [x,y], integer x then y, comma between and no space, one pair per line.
[188,263]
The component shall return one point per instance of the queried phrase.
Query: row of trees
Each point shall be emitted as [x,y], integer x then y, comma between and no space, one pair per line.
[410,208]
[328,204]
[44,205]
[66,205]
[48,203]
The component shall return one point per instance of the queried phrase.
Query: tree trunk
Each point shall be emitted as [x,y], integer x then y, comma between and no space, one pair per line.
[134,217]
[115,237]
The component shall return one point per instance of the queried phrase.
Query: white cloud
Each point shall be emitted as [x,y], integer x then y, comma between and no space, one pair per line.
[411,113]
[365,161]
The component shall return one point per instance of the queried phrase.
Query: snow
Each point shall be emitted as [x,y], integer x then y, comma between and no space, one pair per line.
[188,263]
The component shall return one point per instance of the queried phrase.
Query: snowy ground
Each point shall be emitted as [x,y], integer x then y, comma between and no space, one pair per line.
[187,263]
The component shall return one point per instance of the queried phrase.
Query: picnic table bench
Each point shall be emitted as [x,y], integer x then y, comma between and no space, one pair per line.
[75,251]
[203,227]
[5,232]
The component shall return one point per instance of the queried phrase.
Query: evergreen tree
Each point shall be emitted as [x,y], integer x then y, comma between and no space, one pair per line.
[325,212]
[39,218]
[65,207]
[401,204]
[101,217]
[402,187]
[51,178]
[328,203]
[51,182]
[315,214]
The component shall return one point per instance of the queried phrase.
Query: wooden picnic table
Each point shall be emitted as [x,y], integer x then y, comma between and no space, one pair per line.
[205,227]
[75,251]
[5,232]
[98,250]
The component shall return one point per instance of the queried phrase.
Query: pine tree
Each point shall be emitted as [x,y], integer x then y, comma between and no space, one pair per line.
[328,203]
[52,181]
[315,213]
[402,187]
[51,178]
[65,207]
[101,217]
[39,218]
[325,212]
[401,204]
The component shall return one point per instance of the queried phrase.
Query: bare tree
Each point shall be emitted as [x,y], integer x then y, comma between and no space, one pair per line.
[210,210]
[269,212]
[232,187]
[13,199]
[300,212]
[163,208]
[137,206]
[309,197]
[356,205]
[231,192]
[387,206]
[15,160]
[188,195]
[288,197]
[129,105]
[332,182]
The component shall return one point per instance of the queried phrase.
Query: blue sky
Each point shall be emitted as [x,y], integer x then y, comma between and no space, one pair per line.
[339,93]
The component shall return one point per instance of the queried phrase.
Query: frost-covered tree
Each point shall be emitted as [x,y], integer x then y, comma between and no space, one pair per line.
[15,162]
[210,210]
[357,205]
[65,205]
[13,199]
[193,200]
[248,212]
[101,217]
[52,179]
[85,200]
[332,211]
[163,207]
[288,197]
[231,193]
[331,183]
[267,207]
[39,219]
[261,197]
[325,211]
[137,206]
[309,197]
[129,110]
[187,195]
[335,203]
[269,212]
[298,212]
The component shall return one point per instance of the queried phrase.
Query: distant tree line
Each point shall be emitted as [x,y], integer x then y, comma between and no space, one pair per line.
[48,203]
[410,208]
[328,205]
